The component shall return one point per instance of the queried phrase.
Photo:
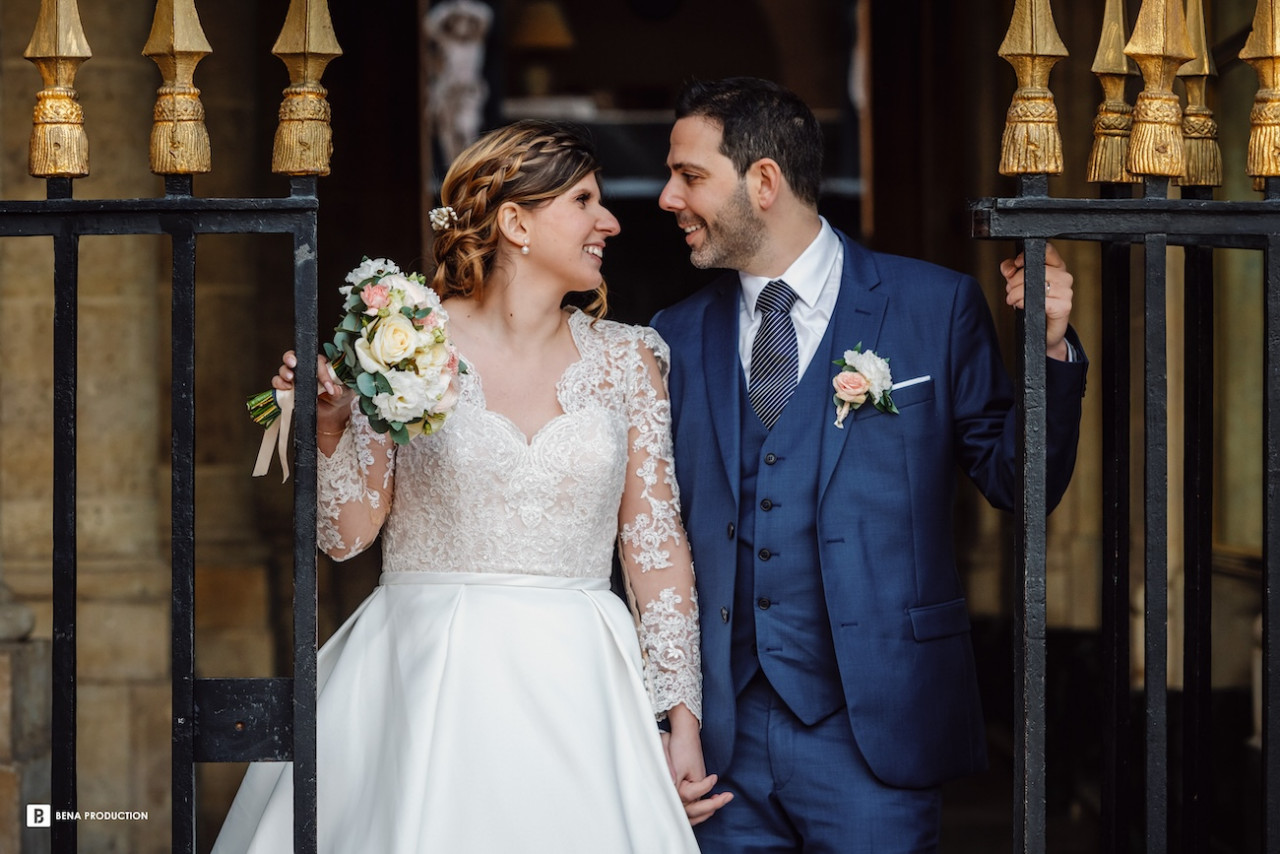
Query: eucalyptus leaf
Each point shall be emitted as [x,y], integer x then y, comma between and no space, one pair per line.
[366,385]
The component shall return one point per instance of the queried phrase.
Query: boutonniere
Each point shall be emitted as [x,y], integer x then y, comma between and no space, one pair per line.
[862,374]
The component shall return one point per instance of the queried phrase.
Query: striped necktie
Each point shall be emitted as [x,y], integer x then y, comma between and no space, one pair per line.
[775,359]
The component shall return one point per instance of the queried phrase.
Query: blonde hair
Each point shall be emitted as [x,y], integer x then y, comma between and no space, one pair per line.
[527,163]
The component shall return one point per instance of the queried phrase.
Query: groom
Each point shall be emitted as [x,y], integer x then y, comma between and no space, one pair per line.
[839,686]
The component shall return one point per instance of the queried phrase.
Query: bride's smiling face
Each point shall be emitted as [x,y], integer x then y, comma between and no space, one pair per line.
[567,235]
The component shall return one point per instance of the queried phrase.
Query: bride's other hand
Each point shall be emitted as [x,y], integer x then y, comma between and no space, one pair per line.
[683,747]
[333,399]
[699,803]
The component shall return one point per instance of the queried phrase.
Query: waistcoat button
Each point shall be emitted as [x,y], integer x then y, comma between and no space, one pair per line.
[765,554]
[764,604]
[724,615]
[770,459]
[732,530]
[766,505]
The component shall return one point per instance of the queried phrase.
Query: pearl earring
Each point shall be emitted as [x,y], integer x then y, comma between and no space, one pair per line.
[524,250]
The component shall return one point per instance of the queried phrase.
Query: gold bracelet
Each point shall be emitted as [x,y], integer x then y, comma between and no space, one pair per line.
[327,433]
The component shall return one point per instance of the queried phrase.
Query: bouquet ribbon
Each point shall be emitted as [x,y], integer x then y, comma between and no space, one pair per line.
[277,434]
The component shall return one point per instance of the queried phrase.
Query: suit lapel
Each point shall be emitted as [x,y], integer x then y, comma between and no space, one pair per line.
[858,317]
[723,370]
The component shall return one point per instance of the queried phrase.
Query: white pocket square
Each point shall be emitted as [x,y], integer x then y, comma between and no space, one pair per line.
[907,383]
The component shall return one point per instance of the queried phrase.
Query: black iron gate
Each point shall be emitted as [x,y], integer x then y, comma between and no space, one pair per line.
[1155,145]
[214,720]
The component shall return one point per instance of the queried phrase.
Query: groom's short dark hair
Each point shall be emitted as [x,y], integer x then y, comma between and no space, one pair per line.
[759,118]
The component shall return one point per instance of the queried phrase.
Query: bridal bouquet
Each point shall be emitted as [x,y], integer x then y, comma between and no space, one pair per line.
[393,349]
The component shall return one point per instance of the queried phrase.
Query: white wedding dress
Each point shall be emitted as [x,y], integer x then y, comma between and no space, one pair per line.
[490,696]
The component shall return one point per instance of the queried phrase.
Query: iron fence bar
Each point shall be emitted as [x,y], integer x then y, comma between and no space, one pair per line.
[1116,338]
[1030,509]
[244,720]
[66,274]
[306,341]
[1197,499]
[1271,545]
[183,532]
[1240,225]
[272,216]
[170,203]
[1155,539]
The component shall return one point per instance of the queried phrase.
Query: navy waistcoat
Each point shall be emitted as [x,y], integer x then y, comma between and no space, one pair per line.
[780,622]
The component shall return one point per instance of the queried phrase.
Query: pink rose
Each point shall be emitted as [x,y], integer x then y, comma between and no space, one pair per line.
[375,297]
[851,387]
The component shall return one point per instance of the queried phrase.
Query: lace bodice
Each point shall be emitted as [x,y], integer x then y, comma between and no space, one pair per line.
[478,496]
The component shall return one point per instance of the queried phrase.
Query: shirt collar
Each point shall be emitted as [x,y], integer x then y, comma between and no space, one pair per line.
[807,275]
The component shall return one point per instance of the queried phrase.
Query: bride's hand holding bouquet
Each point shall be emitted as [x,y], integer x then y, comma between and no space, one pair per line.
[391,352]
[333,399]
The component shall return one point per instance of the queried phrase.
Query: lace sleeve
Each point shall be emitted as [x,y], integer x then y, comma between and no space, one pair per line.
[354,488]
[655,551]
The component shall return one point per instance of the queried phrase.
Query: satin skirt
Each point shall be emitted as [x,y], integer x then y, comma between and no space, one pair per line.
[462,713]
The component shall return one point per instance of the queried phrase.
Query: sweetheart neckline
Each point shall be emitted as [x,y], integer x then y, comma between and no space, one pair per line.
[527,438]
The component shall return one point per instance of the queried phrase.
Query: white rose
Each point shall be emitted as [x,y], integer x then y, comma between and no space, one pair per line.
[431,359]
[408,400]
[394,339]
[371,267]
[366,359]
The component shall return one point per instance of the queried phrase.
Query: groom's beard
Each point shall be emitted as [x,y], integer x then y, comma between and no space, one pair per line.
[734,238]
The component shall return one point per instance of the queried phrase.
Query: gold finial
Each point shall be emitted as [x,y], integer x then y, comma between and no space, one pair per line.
[1262,51]
[1199,130]
[306,45]
[179,139]
[59,146]
[1160,44]
[1032,144]
[1112,124]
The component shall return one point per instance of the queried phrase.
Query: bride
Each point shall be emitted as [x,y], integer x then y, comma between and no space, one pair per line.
[490,695]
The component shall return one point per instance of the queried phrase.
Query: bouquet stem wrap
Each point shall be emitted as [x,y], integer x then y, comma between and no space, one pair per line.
[276,414]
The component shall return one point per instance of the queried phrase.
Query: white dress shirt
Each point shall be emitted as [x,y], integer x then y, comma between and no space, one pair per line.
[815,277]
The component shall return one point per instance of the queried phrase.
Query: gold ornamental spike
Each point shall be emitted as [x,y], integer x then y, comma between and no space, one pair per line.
[59,146]
[1032,144]
[1114,121]
[304,140]
[179,139]
[1262,51]
[1160,44]
[1199,130]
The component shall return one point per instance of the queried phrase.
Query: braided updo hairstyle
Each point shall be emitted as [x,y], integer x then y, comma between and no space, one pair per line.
[528,163]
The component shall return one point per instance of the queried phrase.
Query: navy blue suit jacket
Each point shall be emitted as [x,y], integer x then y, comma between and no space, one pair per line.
[894,599]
